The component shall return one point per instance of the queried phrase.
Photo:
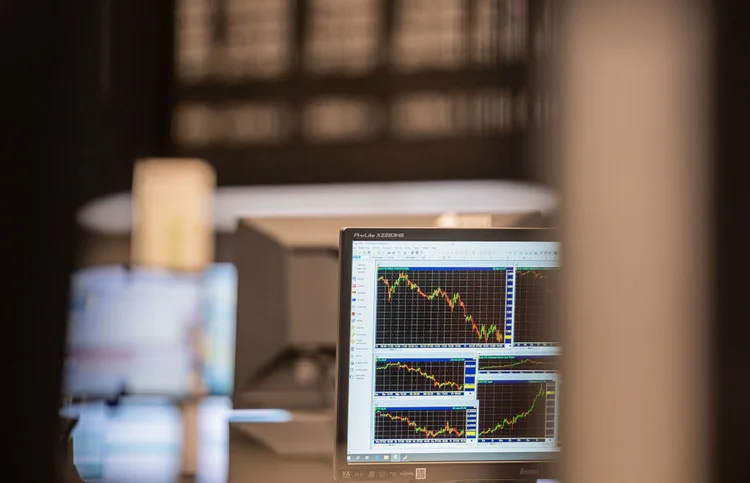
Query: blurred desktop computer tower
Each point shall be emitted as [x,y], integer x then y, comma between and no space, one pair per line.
[287,316]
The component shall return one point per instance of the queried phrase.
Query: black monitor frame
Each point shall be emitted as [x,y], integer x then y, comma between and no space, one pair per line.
[436,471]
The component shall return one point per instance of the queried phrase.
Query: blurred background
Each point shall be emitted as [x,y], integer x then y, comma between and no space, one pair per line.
[291,120]
[205,153]
[228,141]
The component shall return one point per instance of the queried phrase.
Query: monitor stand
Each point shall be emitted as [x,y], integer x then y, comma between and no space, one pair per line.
[307,434]
[303,385]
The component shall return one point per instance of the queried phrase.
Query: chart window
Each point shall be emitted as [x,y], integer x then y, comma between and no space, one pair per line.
[454,351]
[535,306]
[423,306]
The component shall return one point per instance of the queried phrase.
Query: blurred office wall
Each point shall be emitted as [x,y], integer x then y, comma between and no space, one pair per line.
[279,91]
[315,91]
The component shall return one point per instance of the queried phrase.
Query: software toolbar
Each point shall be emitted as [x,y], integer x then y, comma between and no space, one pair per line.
[439,251]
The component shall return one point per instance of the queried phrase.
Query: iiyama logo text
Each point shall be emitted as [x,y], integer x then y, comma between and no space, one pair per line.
[524,471]
[378,235]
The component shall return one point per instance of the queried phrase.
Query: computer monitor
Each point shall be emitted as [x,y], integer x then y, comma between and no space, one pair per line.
[448,355]
[132,331]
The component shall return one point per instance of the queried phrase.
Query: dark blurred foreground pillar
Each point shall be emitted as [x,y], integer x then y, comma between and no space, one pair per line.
[636,148]
[731,324]
[38,230]
[86,89]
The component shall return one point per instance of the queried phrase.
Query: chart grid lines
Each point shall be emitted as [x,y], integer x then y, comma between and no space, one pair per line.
[512,410]
[535,317]
[420,376]
[420,424]
[427,307]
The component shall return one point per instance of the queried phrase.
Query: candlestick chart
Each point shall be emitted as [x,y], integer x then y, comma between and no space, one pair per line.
[440,306]
[415,376]
[535,308]
[514,410]
[420,424]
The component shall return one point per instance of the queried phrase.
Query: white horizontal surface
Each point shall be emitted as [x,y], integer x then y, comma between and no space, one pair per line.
[112,214]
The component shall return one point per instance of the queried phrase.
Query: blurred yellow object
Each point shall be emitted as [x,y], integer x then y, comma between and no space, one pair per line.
[468,220]
[173,213]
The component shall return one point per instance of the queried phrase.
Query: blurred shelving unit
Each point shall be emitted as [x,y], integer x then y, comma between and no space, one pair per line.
[282,91]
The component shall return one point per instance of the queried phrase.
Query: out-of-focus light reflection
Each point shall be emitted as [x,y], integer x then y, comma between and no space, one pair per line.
[259,416]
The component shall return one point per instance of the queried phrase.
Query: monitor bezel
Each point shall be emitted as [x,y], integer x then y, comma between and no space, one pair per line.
[446,471]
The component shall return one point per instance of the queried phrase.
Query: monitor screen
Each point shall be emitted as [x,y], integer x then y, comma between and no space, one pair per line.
[151,331]
[219,322]
[451,353]
[132,331]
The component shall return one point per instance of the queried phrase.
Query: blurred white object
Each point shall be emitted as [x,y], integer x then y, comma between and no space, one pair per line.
[306,371]
[141,440]
[455,220]
[111,215]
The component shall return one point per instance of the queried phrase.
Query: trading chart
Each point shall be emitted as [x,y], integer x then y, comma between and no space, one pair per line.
[513,410]
[420,376]
[407,424]
[441,306]
[544,363]
[454,354]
